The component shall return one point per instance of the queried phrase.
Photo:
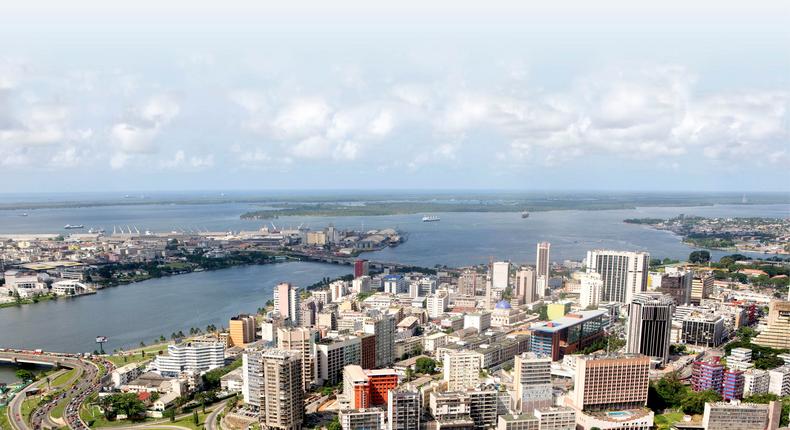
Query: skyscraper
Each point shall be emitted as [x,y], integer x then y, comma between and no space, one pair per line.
[286,302]
[611,382]
[542,261]
[301,340]
[624,273]
[590,290]
[273,385]
[384,328]
[525,286]
[650,325]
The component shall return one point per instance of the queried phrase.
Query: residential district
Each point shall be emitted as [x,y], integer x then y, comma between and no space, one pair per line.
[616,341]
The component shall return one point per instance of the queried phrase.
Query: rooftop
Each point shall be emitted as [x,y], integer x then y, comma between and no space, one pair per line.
[568,320]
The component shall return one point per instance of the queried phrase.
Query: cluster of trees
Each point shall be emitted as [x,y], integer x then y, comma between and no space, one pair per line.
[764,358]
[699,257]
[211,379]
[123,403]
[25,375]
[613,343]
[670,393]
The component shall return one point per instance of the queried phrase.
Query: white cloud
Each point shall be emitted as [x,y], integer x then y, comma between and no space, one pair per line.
[137,135]
[302,118]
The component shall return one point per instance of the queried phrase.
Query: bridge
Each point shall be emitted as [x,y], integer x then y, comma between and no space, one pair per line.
[349,261]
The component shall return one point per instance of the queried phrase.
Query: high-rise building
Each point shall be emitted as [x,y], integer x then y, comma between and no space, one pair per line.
[650,325]
[677,284]
[404,408]
[590,288]
[301,340]
[471,283]
[532,383]
[500,274]
[776,334]
[361,268]
[701,286]
[461,369]
[779,381]
[624,273]
[241,330]
[308,309]
[732,385]
[366,388]
[383,327]
[611,382]
[273,380]
[437,303]
[525,286]
[286,301]
[361,284]
[568,334]
[483,406]
[335,353]
[394,284]
[542,263]
[702,329]
[707,375]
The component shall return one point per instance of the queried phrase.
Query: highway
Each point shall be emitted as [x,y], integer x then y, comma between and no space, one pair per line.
[88,382]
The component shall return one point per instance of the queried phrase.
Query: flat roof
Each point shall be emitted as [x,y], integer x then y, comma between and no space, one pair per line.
[49,265]
[569,320]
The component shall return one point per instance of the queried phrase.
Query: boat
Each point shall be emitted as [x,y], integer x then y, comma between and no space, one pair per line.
[430,218]
[73,227]
[23,214]
[525,214]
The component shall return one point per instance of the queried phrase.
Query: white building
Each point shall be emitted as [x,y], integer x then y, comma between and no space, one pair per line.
[362,419]
[590,290]
[480,321]
[193,357]
[69,287]
[500,272]
[125,374]
[755,381]
[361,284]
[437,303]
[624,273]
[461,369]
[779,383]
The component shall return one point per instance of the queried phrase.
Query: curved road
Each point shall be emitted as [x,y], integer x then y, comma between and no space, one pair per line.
[87,383]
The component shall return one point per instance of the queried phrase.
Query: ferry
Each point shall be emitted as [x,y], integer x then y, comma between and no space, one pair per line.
[525,214]
[430,218]
[72,227]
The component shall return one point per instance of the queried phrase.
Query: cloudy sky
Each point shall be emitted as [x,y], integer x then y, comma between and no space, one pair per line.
[680,95]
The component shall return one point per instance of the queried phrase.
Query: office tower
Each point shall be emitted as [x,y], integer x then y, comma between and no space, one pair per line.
[623,273]
[755,381]
[611,382]
[301,340]
[286,302]
[701,286]
[282,403]
[394,284]
[242,330]
[532,382]
[568,334]
[500,273]
[461,369]
[404,408]
[541,285]
[361,268]
[383,327]
[335,353]
[707,375]
[741,416]
[590,290]
[437,303]
[702,329]
[650,325]
[732,385]
[542,263]
[362,419]
[470,283]
[677,284]
[525,286]
[195,357]
[776,334]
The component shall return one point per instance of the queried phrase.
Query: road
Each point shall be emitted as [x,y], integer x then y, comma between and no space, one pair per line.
[211,419]
[87,383]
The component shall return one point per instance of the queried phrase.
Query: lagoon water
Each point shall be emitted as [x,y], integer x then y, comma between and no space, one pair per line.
[142,311]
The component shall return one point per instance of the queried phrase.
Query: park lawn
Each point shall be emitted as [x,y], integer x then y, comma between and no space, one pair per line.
[664,421]
[63,378]
[28,406]
[188,423]
[60,408]
[134,356]
[4,423]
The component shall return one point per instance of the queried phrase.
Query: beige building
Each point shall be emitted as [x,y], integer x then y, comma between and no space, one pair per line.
[611,382]
[301,340]
[744,416]
[241,330]
[461,370]
[282,405]
[776,335]
[701,286]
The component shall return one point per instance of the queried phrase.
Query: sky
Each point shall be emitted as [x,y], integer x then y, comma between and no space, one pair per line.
[230,95]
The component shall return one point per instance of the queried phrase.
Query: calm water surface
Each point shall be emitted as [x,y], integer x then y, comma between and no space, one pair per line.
[145,310]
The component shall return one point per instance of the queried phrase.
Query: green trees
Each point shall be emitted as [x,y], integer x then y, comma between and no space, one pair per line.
[25,375]
[694,403]
[670,393]
[124,403]
[699,257]
[425,365]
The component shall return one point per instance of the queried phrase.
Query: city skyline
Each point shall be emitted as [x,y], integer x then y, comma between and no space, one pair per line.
[359,96]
